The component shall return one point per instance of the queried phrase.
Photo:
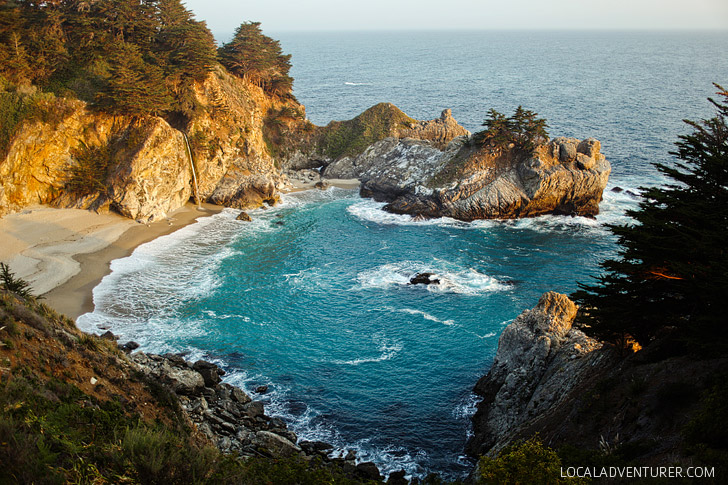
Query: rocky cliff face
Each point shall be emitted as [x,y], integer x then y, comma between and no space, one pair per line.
[239,139]
[467,181]
[146,171]
[540,359]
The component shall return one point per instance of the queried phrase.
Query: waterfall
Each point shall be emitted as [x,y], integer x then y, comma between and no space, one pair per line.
[194,175]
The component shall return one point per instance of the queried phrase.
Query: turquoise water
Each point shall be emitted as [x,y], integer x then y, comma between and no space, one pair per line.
[311,298]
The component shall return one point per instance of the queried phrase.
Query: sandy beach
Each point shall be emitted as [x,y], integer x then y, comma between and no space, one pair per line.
[64,253]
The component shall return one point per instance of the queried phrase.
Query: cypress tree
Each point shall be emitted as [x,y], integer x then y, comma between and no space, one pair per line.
[672,269]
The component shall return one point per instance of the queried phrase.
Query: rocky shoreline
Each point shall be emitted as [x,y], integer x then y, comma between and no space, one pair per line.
[235,422]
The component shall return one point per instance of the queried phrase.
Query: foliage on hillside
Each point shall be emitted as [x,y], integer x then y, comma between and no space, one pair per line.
[524,130]
[259,59]
[672,271]
[524,462]
[126,57]
[352,137]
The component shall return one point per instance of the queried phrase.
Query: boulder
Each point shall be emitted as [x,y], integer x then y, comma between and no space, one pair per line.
[184,381]
[243,216]
[368,470]
[275,445]
[210,372]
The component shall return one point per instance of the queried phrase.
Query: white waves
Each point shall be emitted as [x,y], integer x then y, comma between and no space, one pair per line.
[388,349]
[461,281]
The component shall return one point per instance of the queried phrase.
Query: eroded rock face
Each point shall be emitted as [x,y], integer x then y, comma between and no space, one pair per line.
[467,182]
[540,358]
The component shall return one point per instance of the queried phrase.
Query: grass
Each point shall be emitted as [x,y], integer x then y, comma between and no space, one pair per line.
[19,105]
[352,137]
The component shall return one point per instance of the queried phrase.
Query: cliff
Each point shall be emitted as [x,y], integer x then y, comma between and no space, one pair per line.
[598,407]
[469,181]
[239,138]
[140,167]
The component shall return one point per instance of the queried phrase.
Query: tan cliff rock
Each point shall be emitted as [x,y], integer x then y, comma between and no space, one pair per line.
[468,181]
[149,172]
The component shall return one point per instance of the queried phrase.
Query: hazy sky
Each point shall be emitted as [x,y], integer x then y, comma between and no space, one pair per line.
[311,15]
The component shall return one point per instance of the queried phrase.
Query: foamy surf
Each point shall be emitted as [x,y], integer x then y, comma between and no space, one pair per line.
[388,349]
[465,282]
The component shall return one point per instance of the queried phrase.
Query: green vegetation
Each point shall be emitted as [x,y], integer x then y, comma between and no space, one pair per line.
[259,59]
[523,463]
[9,282]
[89,174]
[18,105]
[673,266]
[352,137]
[127,57]
[523,129]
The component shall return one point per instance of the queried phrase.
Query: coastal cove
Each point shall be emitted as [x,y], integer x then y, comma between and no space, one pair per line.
[280,312]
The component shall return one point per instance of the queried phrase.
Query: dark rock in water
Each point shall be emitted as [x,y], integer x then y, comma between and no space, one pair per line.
[617,190]
[350,455]
[279,223]
[129,346]
[108,335]
[424,279]
[632,194]
[209,372]
[397,478]
[368,471]
[322,185]
[315,447]
[261,389]
[243,216]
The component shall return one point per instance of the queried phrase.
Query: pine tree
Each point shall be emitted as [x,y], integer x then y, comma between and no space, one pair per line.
[135,88]
[672,269]
[257,58]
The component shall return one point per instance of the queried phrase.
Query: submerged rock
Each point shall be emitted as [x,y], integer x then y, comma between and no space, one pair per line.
[424,279]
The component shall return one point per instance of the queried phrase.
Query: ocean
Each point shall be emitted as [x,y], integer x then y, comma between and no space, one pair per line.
[311,298]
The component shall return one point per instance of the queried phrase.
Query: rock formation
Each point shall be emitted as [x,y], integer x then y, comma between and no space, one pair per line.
[239,140]
[540,358]
[146,169]
[468,181]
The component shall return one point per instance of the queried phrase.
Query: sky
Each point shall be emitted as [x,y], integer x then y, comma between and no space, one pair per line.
[224,16]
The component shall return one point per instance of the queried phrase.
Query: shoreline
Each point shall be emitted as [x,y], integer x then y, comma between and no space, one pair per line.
[74,297]
[65,253]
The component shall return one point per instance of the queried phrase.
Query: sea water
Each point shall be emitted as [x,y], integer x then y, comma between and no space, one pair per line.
[312,297]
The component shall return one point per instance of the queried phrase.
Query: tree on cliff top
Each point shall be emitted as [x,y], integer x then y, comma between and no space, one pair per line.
[257,58]
[673,265]
[524,129]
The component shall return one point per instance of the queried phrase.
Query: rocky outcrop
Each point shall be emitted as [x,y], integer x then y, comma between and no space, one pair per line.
[340,142]
[231,419]
[540,359]
[143,168]
[469,181]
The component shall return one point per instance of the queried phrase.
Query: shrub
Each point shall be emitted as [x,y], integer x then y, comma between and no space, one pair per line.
[522,463]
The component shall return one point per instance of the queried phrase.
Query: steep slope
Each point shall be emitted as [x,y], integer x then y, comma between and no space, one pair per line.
[141,167]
